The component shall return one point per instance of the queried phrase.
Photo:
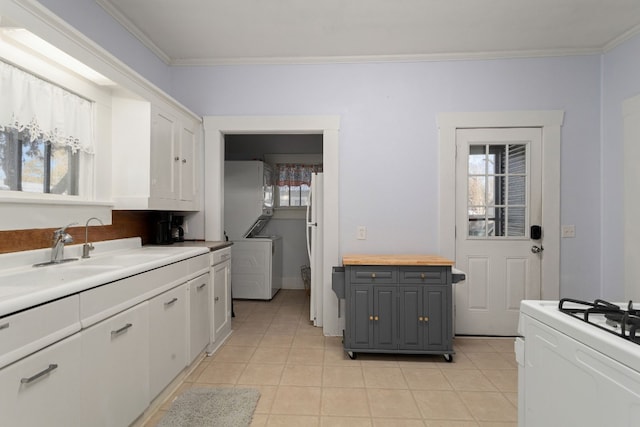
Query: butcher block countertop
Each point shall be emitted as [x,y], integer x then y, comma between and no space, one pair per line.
[395,260]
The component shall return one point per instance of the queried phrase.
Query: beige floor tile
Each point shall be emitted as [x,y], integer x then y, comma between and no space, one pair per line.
[232,353]
[337,356]
[472,345]
[392,403]
[425,379]
[276,341]
[489,406]
[221,373]
[469,380]
[505,380]
[491,361]
[343,376]
[308,341]
[460,361]
[512,397]
[446,423]
[293,421]
[345,402]
[497,424]
[267,394]
[441,405]
[502,345]
[395,422]
[270,355]
[305,356]
[244,339]
[259,420]
[281,329]
[383,377]
[261,374]
[295,400]
[305,375]
[328,421]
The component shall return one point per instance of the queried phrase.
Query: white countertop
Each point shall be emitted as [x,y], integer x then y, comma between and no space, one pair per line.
[23,286]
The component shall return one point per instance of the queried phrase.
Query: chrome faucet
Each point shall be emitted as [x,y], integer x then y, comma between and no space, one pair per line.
[60,238]
[87,247]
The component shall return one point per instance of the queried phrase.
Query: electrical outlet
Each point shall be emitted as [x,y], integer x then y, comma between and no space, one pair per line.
[568,231]
[362,232]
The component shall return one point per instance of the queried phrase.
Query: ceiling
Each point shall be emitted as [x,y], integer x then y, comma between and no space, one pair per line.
[207,32]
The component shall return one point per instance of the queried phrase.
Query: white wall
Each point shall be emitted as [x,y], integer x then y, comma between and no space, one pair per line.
[388,141]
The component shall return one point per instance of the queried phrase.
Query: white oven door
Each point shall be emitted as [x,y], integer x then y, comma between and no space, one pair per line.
[567,383]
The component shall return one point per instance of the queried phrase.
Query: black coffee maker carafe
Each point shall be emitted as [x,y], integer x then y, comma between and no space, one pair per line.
[177,232]
[162,229]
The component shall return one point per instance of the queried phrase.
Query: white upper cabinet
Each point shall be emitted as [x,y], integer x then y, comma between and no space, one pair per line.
[154,151]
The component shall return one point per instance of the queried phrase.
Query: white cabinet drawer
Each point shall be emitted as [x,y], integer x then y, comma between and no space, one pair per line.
[44,388]
[99,303]
[220,255]
[28,331]
[198,264]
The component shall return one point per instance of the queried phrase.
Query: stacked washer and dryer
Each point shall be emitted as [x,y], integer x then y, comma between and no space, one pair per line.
[256,266]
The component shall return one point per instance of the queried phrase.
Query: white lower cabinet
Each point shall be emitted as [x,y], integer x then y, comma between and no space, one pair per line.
[168,332]
[220,297]
[199,315]
[43,389]
[115,374]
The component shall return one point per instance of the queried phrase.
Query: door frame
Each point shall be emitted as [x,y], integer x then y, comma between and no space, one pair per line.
[216,127]
[550,122]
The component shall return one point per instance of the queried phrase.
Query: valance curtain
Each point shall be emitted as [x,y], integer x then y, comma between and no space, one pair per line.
[295,174]
[44,110]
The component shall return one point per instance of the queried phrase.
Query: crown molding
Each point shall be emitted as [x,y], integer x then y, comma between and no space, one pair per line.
[134,30]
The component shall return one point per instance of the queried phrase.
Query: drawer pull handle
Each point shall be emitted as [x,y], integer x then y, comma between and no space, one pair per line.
[373,275]
[39,374]
[370,317]
[225,256]
[216,299]
[4,326]
[168,303]
[202,286]
[121,330]
[422,276]
[375,317]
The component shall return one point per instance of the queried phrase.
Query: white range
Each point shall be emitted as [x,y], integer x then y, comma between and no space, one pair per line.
[577,372]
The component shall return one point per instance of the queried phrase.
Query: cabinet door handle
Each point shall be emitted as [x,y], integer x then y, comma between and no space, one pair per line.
[39,374]
[184,160]
[202,286]
[375,317]
[168,303]
[420,319]
[176,159]
[216,299]
[426,319]
[4,326]
[370,317]
[121,330]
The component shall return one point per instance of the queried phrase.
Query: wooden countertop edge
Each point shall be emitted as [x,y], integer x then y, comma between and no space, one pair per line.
[401,259]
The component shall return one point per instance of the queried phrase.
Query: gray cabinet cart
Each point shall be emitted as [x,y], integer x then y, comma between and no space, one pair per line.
[397,304]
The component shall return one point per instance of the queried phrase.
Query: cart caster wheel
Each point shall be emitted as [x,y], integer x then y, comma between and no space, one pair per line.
[448,357]
[352,355]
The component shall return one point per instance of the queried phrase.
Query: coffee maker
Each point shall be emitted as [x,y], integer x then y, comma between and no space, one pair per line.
[177,232]
[162,228]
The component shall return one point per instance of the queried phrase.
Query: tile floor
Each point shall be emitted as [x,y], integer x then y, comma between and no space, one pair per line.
[306,379]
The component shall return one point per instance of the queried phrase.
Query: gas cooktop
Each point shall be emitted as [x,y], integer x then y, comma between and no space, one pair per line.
[622,320]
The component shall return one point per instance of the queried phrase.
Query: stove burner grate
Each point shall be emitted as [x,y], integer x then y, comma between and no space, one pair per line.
[626,323]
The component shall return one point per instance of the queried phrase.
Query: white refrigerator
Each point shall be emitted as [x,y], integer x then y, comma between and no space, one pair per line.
[314,223]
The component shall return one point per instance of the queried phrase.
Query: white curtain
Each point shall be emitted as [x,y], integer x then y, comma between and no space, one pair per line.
[44,110]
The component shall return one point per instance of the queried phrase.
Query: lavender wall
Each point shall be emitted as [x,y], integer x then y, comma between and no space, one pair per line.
[388,137]
[621,80]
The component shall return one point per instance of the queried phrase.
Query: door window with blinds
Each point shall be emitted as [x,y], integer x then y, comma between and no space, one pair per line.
[497,191]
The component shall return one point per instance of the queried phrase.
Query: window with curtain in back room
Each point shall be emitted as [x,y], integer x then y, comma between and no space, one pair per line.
[45,133]
[293,183]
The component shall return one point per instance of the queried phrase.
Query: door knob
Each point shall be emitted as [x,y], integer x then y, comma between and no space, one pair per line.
[536,249]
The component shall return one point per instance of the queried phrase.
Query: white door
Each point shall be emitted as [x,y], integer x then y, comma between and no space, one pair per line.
[314,248]
[498,200]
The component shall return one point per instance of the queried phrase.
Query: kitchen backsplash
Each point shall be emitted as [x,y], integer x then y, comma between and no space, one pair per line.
[124,224]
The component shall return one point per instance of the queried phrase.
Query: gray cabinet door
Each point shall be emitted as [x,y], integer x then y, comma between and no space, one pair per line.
[359,331]
[437,324]
[384,317]
[410,329]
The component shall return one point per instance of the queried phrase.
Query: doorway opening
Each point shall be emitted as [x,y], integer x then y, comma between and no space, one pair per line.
[218,128]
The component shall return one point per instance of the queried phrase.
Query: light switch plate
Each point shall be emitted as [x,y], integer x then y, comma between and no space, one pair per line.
[362,232]
[568,231]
